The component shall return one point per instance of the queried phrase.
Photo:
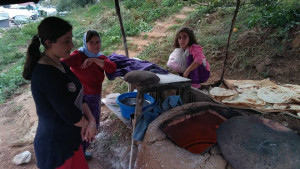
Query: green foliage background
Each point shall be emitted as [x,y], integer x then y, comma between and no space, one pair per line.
[139,16]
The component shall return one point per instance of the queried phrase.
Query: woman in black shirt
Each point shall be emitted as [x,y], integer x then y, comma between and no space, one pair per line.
[64,118]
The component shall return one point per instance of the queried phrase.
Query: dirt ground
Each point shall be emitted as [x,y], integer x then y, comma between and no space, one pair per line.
[111,148]
[18,124]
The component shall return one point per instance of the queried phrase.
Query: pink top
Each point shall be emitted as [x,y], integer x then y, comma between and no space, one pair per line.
[199,57]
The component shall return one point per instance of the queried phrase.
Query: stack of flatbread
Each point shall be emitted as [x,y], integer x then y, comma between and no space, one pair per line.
[261,95]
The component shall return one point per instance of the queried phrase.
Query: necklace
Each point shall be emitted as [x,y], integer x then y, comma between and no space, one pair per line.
[56,64]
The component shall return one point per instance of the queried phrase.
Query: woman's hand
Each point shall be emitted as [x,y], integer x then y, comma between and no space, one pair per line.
[82,133]
[87,63]
[90,128]
[90,132]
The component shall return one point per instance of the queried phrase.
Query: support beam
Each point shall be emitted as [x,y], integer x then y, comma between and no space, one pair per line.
[121,26]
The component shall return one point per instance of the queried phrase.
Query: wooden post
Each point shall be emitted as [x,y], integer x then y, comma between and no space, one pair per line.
[228,40]
[121,26]
[138,112]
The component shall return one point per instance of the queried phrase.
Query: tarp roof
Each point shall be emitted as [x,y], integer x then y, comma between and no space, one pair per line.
[8,2]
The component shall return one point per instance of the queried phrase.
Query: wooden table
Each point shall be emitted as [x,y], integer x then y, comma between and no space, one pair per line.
[117,111]
[167,82]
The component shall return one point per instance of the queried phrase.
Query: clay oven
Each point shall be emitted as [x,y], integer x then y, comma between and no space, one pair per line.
[186,137]
[173,139]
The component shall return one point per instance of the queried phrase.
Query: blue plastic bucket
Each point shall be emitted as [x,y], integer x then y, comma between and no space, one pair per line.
[127,102]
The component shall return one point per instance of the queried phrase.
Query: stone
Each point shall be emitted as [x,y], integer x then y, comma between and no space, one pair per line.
[141,78]
[22,158]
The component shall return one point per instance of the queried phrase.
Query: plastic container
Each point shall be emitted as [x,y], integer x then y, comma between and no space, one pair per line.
[127,102]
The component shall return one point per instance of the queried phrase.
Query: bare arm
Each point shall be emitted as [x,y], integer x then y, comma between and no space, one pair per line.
[82,123]
[88,114]
[89,61]
[88,133]
[87,119]
[193,66]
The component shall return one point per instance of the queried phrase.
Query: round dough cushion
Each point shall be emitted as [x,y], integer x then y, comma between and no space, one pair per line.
[141,78]
[250,142]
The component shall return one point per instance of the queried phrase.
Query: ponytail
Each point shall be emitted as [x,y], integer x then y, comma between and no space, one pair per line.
[51,28]
[33,56]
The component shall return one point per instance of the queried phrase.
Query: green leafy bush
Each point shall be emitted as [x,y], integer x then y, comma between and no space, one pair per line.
[67,5]
[10,80]
[30,29]
[270,13]
[133,3]
[133,28]
[168,3]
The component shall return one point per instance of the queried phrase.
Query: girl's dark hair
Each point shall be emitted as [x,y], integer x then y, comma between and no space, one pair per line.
[90,34]
[190,32]
[51,28]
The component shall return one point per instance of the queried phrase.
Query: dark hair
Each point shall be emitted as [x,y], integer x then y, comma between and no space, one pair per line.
[51,28]
[90,34]
[190,32]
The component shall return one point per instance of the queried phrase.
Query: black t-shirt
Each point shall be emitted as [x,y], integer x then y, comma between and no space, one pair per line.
[58,99]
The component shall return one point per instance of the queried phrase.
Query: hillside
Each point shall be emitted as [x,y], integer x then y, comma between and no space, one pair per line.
[255,53]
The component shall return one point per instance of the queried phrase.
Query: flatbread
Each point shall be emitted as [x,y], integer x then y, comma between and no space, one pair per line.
[274,94]
[293,107]
[261,95]
[279,107]
[232,84]
[218,91]
[296,98]
[295,88]
[240,87]
[268,107]
[248,98]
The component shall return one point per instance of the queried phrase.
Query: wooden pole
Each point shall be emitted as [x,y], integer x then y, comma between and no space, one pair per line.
[228,41]
[121,26]
[138,112]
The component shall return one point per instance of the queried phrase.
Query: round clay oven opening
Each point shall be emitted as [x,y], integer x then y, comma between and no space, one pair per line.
[194,132]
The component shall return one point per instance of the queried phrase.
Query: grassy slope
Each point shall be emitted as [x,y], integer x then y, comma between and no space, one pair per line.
[101,16]
[255,53]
